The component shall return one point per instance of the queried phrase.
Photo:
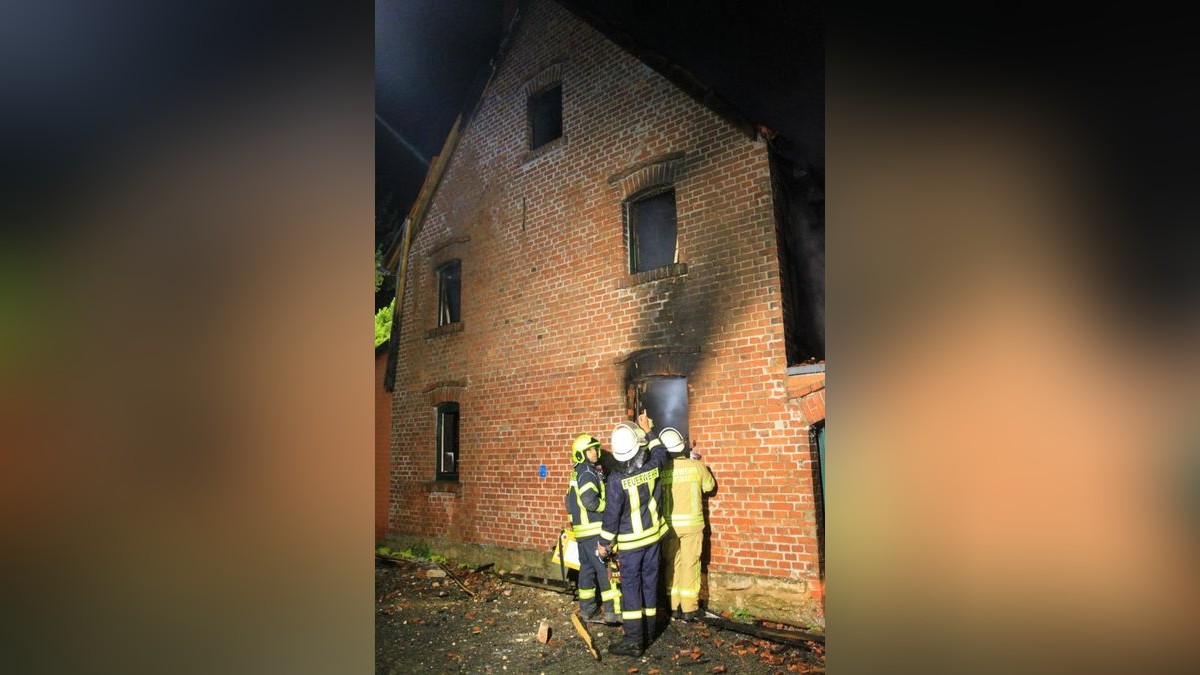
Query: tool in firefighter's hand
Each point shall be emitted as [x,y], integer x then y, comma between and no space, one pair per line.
[608,556]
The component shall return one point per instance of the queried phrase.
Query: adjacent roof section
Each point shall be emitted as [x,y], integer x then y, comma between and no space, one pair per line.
[437,167]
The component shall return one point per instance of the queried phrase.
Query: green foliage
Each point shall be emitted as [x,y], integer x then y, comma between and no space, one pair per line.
[420,550]
[741,613]
[383,323]
[378,264]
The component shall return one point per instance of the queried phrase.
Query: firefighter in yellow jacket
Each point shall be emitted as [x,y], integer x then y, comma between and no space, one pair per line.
[684,481]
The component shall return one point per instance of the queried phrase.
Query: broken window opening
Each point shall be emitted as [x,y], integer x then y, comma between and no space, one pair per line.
[799,196]
[545,116]
[449,292]
[652,231]
[447,442]
[665,399]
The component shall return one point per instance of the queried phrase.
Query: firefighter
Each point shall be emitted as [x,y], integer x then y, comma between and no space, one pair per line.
[633,526]
[585,505]
[684,483]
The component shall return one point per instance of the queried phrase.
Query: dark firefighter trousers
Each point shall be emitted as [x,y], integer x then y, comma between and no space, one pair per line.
[593,579]
[639,591]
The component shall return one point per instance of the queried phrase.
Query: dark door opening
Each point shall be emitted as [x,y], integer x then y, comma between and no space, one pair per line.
[665,399]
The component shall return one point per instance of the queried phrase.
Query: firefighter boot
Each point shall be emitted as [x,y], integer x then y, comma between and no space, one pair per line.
[626,648]
[632,644]
[589,610]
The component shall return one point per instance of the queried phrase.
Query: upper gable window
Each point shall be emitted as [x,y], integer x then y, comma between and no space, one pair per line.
[545,116]
[450,293]
[651,221]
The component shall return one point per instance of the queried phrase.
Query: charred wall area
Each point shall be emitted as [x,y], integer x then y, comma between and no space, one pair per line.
[672,333]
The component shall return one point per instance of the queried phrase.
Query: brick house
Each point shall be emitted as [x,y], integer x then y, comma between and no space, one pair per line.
[593,239]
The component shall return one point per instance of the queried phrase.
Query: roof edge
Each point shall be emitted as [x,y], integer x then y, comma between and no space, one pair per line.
[673,72]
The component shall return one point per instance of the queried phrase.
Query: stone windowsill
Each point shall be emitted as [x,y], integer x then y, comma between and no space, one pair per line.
[447,486]
[441,331]
[656,274]
[544,149]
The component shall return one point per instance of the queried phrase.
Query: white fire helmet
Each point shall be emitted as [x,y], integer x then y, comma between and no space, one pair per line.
[627,439]
[672,439]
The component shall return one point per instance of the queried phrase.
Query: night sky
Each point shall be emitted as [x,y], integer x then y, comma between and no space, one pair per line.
[766,59]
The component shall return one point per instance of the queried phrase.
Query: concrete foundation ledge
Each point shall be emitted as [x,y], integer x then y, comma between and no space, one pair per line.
[521,561]
[796,602]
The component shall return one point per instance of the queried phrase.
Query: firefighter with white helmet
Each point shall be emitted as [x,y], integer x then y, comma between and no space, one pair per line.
[585,506]
[633,525]
[685,482]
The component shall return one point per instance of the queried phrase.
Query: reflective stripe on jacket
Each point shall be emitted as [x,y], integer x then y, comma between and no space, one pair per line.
[685,481]
[633,515]
[585,500]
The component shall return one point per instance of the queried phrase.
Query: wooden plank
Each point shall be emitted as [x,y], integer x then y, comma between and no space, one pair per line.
[543,583]
[583,633]
[455,580]
[787,637]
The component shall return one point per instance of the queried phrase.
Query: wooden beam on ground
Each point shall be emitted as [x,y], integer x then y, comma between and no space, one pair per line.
[455,580]
[787,637]
[544,583]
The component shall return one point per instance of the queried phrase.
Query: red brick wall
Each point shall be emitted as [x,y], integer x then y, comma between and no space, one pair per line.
[808,392]
[383,425]
[549,311]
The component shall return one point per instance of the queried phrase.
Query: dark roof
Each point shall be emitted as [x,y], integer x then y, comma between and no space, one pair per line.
[675,73]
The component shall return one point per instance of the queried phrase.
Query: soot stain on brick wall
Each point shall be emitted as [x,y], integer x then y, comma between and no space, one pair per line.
[674,329]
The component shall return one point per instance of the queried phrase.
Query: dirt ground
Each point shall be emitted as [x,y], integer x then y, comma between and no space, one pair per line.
[426,623]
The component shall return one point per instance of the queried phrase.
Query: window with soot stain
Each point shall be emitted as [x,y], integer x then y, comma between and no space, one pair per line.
[545,116]
[652,232]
